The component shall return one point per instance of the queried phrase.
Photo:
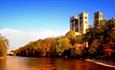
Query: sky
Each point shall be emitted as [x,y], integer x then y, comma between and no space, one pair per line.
[44,18]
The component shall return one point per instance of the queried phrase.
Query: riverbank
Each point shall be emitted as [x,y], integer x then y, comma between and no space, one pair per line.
[101,62]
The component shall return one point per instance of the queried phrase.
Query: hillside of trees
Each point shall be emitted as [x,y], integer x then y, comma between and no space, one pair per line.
[98,42]
[3,46]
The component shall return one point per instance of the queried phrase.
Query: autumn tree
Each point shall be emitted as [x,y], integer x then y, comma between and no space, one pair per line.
[71,36]
[94,46]
[78,49]
[62,45]
[3,46]
[112,34]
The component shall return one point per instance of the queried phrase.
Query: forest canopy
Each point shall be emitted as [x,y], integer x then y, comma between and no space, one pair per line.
[98,41]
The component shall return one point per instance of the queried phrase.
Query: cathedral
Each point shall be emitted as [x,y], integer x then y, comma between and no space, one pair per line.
[80,23]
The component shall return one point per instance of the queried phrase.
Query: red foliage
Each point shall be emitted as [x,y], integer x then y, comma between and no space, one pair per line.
[106,46]
[107,52]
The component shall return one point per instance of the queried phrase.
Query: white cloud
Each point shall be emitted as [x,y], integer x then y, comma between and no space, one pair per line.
[20,38]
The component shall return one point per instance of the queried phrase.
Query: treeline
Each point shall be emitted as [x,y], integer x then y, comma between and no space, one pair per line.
[101,39]
[98,42]
[3,46]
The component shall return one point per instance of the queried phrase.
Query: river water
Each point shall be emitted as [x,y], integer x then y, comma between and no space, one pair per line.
[31,63]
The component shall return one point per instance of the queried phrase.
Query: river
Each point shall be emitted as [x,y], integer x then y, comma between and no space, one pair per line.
[31,63]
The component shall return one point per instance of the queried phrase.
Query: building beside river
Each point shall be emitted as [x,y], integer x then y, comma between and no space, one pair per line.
[98,16]
[79,23]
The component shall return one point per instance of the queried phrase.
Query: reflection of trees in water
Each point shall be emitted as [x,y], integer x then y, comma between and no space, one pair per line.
[3,64]
[25,63]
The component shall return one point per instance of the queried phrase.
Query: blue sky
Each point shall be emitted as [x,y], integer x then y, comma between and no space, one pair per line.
[22,21]
[41,15]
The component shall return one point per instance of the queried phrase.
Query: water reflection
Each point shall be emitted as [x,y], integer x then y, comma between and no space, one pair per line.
[25,63]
